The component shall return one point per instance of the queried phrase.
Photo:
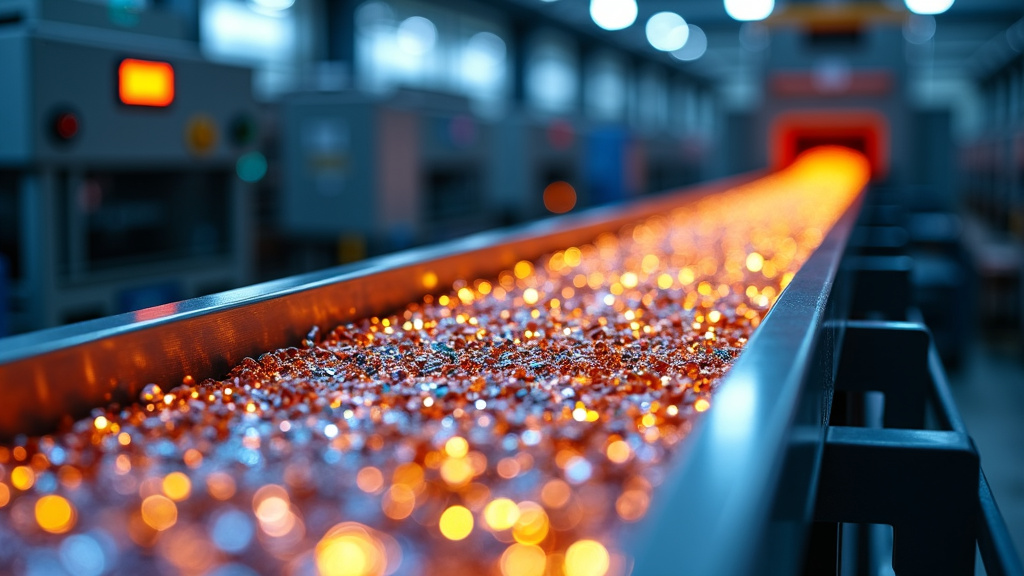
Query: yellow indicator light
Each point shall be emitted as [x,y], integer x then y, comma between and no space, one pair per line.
[145,83]
[200,134]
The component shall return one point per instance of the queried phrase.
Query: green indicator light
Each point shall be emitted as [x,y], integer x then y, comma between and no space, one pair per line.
[251,166]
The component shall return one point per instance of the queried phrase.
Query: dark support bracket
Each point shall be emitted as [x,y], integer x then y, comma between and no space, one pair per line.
[891,358]
[924,483]
[882,286]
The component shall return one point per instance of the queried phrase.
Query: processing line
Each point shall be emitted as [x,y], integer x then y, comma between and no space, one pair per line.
[645,389]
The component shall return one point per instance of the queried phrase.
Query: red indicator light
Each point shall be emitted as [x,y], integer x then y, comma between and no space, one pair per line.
[145,83]
[560,134]
[66,126]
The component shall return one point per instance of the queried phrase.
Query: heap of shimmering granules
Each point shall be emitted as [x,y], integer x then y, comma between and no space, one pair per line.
[511,427]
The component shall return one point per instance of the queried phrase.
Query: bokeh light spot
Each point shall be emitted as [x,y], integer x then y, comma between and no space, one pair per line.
[559,197]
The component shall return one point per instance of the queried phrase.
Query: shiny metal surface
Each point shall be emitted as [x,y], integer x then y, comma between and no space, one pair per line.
[740,493]
[61,373]
[738,496]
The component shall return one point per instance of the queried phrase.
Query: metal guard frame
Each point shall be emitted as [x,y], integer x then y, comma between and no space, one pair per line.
[744,480]
[739,497]
[740,493]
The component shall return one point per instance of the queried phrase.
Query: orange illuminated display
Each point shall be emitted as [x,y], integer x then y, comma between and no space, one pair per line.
[145,83]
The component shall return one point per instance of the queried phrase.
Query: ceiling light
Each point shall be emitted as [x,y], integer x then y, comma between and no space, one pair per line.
[667,31]
[489,46]
[613,14]
[749,10]
[416,35]
[695,46]
[928,6]
[482,59]
[271,6]
[754,36]
[919,29]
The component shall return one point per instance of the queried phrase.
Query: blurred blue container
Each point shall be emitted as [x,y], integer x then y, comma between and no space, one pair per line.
[605,165]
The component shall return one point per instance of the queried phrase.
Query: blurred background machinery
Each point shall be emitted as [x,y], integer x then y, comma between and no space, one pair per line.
[118,154]
[155,150]
[364,127]
[370,126]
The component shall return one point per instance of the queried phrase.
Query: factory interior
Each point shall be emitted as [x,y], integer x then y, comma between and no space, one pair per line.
[188,185]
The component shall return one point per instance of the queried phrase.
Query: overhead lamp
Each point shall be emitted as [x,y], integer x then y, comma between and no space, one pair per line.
[667,31]
[613,14]
[483,57]
[928,6]
[695,46]
[919,29]
[272,7]
[416,35]
[749,10]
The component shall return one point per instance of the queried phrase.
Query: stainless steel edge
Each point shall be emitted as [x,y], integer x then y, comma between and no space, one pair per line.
[723,494]
[61,373]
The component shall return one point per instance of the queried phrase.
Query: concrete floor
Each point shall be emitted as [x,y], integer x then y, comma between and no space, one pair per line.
[989,390]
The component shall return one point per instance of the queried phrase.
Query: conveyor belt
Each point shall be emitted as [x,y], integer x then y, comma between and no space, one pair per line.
[528,417]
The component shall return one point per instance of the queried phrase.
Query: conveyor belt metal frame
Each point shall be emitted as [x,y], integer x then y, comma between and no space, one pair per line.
[62,372]
[739,494]
[727,479]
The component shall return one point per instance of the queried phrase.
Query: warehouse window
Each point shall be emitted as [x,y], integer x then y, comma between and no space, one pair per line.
[605,90]
[483,69]
[706,114]
[651,104]
[398,49]
[679,100]
[263,34]
[423,46]
[551,73]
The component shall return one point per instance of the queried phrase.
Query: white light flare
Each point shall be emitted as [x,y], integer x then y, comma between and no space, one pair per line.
[928,6]
[613,14]
[749,10]
[667,31]
[695,46]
